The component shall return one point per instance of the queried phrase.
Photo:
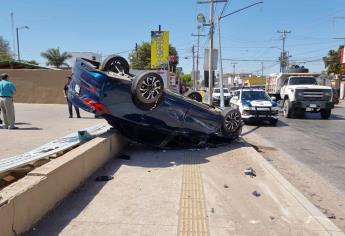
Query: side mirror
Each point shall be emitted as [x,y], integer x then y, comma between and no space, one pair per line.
[273,98]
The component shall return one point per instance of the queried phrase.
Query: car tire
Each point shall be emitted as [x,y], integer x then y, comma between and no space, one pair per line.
[232,122]
[287,109]
[274,121]
[147,90]
[325,114]
[195,96]
[115,63]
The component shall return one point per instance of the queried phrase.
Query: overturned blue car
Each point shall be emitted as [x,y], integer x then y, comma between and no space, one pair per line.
[141,109]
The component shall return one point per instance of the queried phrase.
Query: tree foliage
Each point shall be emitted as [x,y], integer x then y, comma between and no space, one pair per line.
[140,57]
[5,54]
[55,58]
[332,62]
[186,79]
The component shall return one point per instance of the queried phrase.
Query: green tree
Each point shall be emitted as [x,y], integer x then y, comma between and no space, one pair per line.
[332,62]
[55,58]
[5,54]
[187,79]
[140,57]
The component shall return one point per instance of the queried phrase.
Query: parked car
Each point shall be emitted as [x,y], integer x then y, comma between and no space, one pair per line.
[142,110]
[255,105]
[216,96]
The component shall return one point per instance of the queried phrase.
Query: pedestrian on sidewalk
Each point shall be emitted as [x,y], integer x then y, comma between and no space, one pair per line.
[0,106]
[7,90]
[65,92]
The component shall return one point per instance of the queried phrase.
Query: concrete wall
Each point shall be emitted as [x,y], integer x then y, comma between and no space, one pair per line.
[38,86]
[26,201]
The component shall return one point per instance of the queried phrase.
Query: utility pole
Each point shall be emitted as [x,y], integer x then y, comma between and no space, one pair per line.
[193,73]
[210,72]
[233,73]
[197,52]
[262,69]
[283,56]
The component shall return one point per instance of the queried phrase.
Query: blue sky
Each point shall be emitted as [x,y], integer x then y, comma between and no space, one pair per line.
[113,26]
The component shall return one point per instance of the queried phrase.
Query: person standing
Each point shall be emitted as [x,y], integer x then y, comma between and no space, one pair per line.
[7,90]
[65,91]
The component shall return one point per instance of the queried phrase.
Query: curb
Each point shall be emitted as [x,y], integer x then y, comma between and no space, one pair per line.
[314,212]
[26,201]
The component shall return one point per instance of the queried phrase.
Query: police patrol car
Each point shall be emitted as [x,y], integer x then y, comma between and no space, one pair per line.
[255,105]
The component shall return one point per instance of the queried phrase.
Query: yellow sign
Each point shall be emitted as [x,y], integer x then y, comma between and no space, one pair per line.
[159,48]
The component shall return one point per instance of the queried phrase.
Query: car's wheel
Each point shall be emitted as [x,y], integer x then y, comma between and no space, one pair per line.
[325,113]
[287,109]
[115,64]
[195,96]
[273,121]
[147,90]
[232,121]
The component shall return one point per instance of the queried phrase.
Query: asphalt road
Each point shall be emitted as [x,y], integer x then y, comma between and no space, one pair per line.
[318,144]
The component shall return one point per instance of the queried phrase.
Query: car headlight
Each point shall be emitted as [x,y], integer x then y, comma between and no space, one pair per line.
[328,94]
[300,94]
[245,107]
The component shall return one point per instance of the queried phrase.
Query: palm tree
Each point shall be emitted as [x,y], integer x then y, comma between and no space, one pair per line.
[55,58]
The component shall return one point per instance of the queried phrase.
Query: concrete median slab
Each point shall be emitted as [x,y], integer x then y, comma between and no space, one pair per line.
[26,201]
[184,192]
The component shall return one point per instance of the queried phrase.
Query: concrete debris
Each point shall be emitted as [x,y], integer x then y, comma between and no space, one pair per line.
[226,186]
[250,171]
[256,193]
[104,178]
[84,136]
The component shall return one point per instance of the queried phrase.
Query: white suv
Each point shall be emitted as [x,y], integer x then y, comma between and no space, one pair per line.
[255,105]
[216,96]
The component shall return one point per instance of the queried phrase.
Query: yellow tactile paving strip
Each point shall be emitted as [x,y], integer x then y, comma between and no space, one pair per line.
[192,217]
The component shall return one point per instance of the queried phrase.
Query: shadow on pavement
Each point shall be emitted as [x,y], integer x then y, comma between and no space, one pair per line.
[317,116]
[134,155]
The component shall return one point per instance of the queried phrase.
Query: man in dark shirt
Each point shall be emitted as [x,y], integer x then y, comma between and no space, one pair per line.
[65,91]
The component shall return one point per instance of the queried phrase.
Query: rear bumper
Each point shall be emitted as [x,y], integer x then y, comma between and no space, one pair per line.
[312,104]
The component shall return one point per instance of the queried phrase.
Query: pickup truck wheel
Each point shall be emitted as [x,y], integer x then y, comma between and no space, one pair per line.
[273,121]
[147,90]
[115,64]
[232,121]
[287,109]
[325,114]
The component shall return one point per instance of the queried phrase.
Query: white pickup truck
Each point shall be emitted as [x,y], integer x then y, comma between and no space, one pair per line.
[299,93]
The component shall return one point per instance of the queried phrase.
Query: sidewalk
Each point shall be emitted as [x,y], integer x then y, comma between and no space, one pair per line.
[187,192]
[39,124]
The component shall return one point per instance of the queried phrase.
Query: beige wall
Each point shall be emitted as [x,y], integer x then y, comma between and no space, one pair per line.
[38,86]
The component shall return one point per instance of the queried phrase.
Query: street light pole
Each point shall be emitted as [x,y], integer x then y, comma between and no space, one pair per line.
[220,50]
[221,66]
[17,29]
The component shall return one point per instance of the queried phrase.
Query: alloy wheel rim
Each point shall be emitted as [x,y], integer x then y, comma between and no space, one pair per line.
[232,121]
[150,88]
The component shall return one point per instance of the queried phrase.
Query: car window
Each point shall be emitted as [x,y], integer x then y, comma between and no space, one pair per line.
[255,95]
[216,90]
[302,80]
[225,90]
